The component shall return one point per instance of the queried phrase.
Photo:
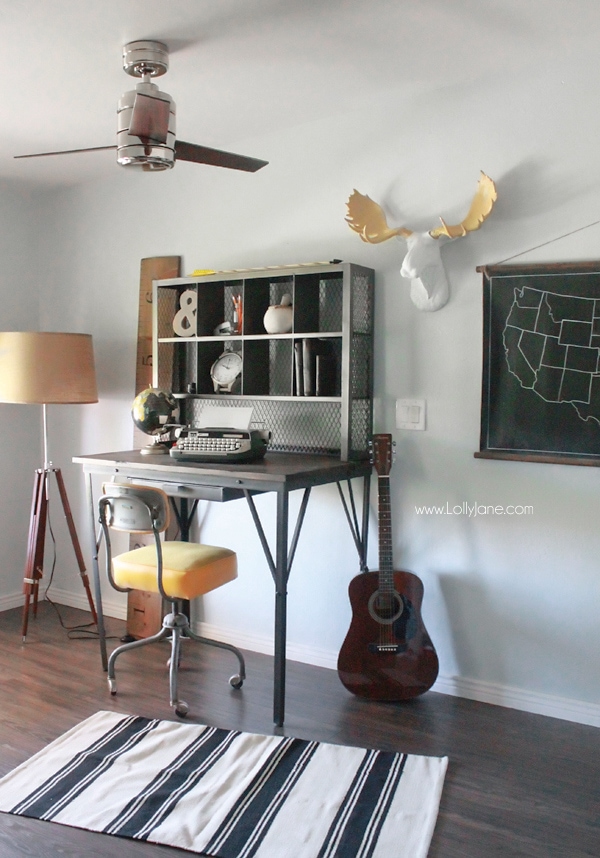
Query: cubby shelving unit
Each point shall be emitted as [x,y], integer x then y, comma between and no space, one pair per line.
[332,332]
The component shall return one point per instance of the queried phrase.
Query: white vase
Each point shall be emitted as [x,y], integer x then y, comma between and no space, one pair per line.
[279,317]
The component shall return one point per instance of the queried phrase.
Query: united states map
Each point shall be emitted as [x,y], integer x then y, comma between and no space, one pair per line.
[552,346]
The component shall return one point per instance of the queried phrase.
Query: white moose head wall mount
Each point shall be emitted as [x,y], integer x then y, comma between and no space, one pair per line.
[423,260]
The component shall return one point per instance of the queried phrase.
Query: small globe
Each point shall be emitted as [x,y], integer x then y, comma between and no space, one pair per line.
[152,409]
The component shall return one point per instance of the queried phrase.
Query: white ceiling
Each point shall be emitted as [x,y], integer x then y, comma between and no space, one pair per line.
[241,69]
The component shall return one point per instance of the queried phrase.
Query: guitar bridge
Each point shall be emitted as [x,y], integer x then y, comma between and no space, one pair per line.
[387,647]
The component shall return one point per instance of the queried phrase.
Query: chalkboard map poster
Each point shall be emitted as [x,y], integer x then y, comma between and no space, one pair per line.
[541,363]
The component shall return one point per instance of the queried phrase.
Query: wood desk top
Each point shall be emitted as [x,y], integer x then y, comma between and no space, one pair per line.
[276,472]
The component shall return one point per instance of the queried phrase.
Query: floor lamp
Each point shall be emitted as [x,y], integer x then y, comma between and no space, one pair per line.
[47,369]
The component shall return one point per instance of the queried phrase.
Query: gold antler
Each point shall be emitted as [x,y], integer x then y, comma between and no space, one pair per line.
[481,206]
[367,218]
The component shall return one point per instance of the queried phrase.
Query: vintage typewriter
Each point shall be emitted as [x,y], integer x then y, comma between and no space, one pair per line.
[220,445]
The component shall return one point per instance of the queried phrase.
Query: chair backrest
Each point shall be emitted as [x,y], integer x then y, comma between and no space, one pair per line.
[133,508]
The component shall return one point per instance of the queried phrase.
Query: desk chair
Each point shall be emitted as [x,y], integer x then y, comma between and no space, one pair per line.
[177,570]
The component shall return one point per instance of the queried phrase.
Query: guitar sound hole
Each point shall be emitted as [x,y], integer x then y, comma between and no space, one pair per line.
[385,607]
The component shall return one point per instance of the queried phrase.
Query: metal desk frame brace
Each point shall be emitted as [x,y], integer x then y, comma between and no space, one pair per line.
[281,567]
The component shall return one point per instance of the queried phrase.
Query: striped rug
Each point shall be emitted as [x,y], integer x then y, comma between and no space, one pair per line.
[229,794]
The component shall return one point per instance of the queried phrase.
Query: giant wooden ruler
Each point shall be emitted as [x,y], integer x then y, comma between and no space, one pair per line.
[144,610]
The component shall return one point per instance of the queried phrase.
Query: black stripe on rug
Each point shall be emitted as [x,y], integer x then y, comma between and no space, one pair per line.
[149,809]
[70,781]
[356,826]
[244,828]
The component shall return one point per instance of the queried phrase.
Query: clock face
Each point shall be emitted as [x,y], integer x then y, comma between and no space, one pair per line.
[226,368]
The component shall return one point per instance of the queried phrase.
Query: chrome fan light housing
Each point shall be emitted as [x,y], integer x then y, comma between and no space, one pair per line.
[145,115]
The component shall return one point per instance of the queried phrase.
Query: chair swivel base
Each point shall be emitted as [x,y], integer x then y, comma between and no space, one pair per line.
[176,626]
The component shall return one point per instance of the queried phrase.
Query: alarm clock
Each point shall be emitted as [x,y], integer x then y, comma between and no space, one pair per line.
[225,370]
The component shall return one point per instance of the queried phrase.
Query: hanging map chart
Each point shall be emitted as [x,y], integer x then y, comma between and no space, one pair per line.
[541,363]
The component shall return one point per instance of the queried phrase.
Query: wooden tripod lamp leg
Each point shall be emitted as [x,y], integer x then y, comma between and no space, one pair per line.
[75,541]
[34,564]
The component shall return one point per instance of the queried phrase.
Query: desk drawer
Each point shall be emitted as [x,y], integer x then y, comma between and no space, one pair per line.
[195,492]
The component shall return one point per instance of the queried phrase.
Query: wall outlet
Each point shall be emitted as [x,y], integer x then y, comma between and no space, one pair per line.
[410,414]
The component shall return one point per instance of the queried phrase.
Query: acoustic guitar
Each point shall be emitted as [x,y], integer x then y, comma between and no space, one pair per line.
[387,653]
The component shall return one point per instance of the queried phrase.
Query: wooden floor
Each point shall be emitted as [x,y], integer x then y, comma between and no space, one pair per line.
[517,784]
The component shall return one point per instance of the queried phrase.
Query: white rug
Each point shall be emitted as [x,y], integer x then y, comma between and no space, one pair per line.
[229,794]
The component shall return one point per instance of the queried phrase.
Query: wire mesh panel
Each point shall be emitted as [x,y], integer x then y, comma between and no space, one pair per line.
[361,428]
[280,287]
[280,367]
[362,301]
[331,291]
[166,309]
[301,426]
[360,366]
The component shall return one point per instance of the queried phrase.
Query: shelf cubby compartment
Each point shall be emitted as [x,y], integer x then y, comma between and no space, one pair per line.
[263,292]
[318,303]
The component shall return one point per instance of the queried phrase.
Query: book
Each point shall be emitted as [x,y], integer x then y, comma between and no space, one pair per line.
[298,369]
[325,374]
[308,369]
[319,367]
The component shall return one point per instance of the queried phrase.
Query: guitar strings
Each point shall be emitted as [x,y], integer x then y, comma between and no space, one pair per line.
[386,597]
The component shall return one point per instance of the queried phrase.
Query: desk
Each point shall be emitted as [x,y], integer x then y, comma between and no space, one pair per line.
[281,473]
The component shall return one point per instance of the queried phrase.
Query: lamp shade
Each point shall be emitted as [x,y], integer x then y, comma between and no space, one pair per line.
[43,368]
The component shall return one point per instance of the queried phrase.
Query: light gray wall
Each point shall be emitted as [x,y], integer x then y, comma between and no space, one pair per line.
[21,283]
[511,603]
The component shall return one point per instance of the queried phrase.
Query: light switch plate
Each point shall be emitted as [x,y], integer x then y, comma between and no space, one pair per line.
[410,414]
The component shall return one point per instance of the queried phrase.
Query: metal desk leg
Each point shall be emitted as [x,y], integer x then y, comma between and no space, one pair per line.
[360,532]
[280,571]
[96,575]
[281,579]
[185,517]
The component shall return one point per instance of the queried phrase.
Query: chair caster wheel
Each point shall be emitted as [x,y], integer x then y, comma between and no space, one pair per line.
[112,686]
[181,709]
[236,681]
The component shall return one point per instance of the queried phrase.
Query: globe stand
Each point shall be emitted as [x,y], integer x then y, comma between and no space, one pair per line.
[152,412]
[156,448]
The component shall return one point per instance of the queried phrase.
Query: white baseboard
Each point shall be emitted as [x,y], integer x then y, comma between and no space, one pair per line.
[111,607]
[7,603]
[577,711]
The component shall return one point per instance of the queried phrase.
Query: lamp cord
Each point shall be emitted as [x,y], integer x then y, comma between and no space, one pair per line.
[83,629]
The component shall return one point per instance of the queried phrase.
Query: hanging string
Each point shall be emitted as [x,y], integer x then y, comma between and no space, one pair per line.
[551,241]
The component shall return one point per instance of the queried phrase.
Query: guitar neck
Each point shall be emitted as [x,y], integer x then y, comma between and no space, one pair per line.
[386,563]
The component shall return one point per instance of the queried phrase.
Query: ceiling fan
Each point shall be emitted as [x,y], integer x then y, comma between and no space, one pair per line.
[146,121]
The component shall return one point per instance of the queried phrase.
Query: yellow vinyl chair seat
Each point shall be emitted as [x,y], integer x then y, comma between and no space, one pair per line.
[189,569]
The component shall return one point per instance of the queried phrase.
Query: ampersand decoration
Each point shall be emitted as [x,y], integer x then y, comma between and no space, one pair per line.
[184,321]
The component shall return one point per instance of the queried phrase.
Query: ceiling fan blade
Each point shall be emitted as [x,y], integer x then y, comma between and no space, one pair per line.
[216,157]
[150,118]
[65,152]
